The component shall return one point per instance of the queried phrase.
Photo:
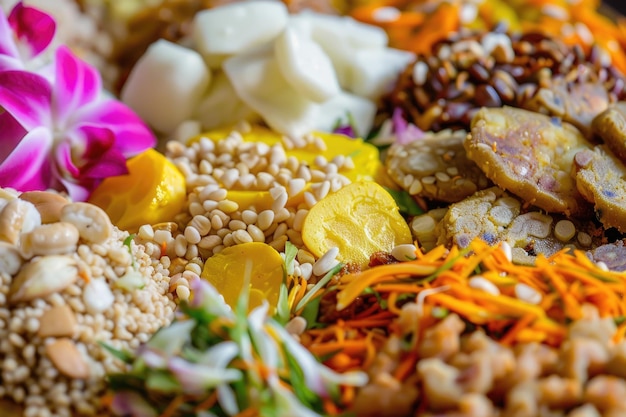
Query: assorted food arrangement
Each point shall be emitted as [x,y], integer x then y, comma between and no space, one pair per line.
[302,208]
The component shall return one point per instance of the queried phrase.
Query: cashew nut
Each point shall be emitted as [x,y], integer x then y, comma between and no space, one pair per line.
[18,216]
[10,259]
[47,203]
[49,239]
[92,222]
[42,277]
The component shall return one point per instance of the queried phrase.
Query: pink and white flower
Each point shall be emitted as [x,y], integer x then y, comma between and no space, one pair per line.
[58,131]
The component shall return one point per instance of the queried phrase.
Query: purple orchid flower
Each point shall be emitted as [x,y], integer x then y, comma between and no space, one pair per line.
[405,132]
[23,36]
[62,134]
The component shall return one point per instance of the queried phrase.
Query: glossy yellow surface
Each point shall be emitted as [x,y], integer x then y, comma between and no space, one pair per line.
[153,191]
[366,158]
[226,271]
[359,219]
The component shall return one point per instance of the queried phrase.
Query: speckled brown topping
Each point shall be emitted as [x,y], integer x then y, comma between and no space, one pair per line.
[610,126]
[530,155]
[436,167]
[600,179]
[497,216]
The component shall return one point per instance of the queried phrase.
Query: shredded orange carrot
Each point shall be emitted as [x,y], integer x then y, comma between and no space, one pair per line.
[406,366]
[210,401]
[563,282]
[248,412]
[170,410]
[513,333]
[163,249]
[347,346]
[620,334]
[330,408]
[84,275]
[348,393]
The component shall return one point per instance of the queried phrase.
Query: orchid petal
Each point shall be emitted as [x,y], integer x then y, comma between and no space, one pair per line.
[227,399]
[26,96]
[405,132]
[77,192]
[98,159]
[27,167]
[76,85]
[8,63]
[220,355]
[209,299]
[288,404]
[7,46]
[171,339]
[132,135]
[129,403]
[32,27]
[68,174]
[195,378]
[11,133]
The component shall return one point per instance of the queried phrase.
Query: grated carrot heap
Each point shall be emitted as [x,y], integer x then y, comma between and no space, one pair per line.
[564,283]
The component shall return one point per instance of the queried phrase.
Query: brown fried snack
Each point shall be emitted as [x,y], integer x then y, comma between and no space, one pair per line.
[576,103]
[494,215]
[600,179]
[530,155]
[610,126]
[613,255]
[436,167]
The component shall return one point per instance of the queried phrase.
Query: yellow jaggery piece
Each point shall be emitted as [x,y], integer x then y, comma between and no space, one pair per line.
[153,191]
[359,219]
[226,271]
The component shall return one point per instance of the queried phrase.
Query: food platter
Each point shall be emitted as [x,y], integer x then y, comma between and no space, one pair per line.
[267,208]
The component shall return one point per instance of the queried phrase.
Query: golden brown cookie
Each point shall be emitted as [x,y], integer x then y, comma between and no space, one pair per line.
[610,126]
[436,167]
[494,215]
[600,179]
[485,215]
[530,155]
[575,103]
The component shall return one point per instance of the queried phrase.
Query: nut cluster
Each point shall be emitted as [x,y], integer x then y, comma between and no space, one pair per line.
[64,275]
[469,70]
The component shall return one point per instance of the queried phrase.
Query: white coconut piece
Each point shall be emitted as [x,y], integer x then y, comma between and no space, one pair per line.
[166,84]
[258,81]
[305,65]
[339,37]
[373,72]
[343,109]
[237,27]
[221,105]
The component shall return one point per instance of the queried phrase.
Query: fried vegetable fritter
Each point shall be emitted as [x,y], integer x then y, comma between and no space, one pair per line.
[497,216]
[610,126]
[600,179]
[436,167]
[530,155]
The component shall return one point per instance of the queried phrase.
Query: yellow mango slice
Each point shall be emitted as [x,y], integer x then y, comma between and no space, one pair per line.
[359,219]
[226,272]
[153,191]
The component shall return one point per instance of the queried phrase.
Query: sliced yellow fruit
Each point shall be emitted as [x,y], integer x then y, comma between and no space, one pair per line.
[153,191]
[359,219]
[226,271]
